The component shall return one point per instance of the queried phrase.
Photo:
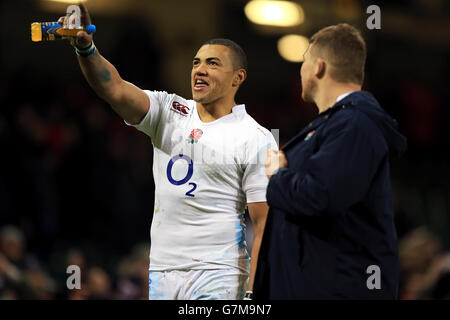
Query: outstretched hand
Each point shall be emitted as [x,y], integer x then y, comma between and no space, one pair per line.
[83,39]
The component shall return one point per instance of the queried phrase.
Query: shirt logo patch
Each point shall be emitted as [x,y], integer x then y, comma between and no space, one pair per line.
[180,108]
[195,135]
[309,135]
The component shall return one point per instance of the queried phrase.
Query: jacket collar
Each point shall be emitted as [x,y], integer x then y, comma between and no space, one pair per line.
[348,101]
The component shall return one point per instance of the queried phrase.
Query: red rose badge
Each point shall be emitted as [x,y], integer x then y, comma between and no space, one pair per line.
[195,135]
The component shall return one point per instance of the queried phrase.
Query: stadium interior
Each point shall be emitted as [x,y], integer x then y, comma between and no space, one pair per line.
[76,184]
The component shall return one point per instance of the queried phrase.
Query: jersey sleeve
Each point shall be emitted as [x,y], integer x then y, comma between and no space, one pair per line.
[254,182]
[159,106]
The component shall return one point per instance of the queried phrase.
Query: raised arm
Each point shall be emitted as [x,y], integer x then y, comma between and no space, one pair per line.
[129,101]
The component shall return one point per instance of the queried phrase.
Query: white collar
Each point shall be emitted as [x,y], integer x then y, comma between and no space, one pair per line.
[342,96]
[236,111]
[238,108]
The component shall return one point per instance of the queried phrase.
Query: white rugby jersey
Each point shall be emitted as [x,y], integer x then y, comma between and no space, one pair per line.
[205,174]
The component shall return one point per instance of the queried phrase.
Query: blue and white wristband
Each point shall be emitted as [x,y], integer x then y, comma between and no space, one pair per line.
[86,52]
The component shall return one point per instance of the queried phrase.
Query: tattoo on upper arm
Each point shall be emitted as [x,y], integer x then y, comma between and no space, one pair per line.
[105,75]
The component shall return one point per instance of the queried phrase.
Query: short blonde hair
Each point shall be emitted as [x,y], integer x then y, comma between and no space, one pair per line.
[344,49]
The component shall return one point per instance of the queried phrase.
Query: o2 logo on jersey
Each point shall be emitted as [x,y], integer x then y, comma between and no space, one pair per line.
[188,175]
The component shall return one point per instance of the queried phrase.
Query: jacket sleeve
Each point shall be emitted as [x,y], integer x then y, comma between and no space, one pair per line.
[334,178]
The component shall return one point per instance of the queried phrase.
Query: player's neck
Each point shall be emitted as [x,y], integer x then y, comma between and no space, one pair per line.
[327,97]
[209,112]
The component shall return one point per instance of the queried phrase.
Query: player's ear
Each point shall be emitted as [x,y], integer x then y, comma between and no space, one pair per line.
[320,68]
[239,76]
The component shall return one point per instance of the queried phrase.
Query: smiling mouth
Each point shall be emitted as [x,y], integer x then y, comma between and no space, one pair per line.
[200,84]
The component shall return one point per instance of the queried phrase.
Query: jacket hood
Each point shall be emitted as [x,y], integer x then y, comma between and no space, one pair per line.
[366,103]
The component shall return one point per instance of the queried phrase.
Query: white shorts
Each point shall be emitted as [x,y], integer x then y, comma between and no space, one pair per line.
[217,284]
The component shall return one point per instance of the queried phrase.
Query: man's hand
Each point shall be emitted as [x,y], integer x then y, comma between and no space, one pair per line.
[275,160]
[83,40]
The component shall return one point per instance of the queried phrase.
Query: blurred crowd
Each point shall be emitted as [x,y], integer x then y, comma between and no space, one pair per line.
[24,276]
[75,189]
[424,271]
[425,267]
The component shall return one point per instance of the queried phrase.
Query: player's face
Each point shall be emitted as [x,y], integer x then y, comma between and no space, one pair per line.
[212,74]
[307,76]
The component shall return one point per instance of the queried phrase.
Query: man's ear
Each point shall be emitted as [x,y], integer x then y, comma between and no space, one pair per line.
[320,69]
[239,77]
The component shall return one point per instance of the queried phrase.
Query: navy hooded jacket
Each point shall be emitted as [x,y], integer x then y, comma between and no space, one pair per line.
[331,214]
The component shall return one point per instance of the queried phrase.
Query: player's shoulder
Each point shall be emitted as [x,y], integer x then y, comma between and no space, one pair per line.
[254,126]
[255,131]
[351,118]
[165,96]
[172,101]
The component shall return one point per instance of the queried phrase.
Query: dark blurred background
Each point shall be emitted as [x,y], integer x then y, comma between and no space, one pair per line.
[76,185]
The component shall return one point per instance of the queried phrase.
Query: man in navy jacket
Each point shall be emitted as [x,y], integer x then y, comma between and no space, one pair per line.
[330,230]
